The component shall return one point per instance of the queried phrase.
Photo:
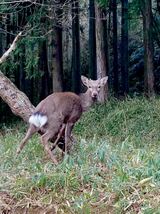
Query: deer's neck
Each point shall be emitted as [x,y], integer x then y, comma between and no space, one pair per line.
[86,100]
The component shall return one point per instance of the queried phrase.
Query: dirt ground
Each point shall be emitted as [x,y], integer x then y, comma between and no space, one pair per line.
[8,205]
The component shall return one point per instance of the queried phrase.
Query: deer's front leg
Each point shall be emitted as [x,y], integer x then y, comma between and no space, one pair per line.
[68,130]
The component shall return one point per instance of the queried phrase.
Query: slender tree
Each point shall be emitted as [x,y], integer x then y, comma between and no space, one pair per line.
[43,67]
[92,41]
[55,46]
[109,43]
[20,74]
[146,8]
[158,6]
[124,47]
[1,37]
[21,69]
[102,47]
[76,83]
[115,49]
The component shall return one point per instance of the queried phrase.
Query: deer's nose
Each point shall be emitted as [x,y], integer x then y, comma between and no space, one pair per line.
[94,95]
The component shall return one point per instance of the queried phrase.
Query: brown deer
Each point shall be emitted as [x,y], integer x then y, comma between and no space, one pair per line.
[88,98]
[50,116]
[56,115]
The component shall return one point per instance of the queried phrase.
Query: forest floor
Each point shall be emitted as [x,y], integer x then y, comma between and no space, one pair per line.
[114,168]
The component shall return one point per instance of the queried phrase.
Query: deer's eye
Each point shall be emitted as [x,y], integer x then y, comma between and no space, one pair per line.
[99,86]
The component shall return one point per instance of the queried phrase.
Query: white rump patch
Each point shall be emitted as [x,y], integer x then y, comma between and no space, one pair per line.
[38,120]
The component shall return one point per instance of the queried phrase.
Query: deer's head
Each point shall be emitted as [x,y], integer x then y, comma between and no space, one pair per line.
[94,86]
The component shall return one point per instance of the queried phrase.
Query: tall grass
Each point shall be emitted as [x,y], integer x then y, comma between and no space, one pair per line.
[114,167]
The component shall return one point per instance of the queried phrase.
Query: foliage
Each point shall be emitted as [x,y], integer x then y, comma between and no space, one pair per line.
[36,22]
[114,167]
[103,3]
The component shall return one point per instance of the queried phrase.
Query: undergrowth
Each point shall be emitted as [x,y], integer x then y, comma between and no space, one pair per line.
[114,167]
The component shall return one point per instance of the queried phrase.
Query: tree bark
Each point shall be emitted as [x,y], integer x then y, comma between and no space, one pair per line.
[148,47]
[18,102]
[124,48]
[55,45]
[22,74]
[115,49]
[101,40]
[1,37]
[76,81]
[43,67]
[92,41]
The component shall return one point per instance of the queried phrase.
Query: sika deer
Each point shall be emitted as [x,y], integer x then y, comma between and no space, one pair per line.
[56,115]
[58,110]
[87,100]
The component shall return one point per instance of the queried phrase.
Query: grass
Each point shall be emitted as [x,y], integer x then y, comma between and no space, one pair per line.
[114,167]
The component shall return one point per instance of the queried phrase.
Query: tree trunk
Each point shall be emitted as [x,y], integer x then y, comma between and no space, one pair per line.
[1,37]
[158,6]
[56,60]
[115,50]
[43,67]
[148,47]
[22,74]
[124,48]
[109,44]
[76,82]
[18,102]
[102,49]
[92,41]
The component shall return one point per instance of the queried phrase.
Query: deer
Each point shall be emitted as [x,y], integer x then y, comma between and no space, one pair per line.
[89,98]
[56,115]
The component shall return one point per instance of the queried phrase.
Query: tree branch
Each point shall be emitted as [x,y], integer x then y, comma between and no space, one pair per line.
[12,47]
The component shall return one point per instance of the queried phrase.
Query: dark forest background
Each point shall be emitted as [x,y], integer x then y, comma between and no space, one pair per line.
[64,39]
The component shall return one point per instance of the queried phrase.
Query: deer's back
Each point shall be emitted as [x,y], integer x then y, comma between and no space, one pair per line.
[61,104]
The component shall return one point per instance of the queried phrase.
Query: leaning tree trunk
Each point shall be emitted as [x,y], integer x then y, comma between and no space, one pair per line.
[18,102]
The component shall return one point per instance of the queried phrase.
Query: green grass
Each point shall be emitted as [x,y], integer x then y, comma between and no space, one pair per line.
[114,167]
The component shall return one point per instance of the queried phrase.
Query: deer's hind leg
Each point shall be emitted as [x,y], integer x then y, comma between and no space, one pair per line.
[44,140]
[32,129]
[51,133]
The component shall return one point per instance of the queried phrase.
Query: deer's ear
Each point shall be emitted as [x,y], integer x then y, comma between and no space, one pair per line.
[103,80]
[84,80]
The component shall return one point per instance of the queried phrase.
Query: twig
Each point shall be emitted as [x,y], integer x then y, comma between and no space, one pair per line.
[100,201]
